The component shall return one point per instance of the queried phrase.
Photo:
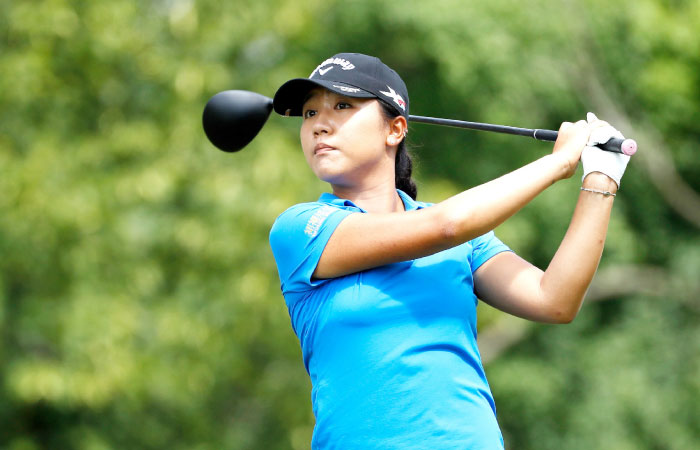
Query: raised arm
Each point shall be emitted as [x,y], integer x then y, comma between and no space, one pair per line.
[513,285]
[364,241]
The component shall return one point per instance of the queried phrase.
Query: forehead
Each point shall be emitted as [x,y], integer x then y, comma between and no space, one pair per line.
[321,92]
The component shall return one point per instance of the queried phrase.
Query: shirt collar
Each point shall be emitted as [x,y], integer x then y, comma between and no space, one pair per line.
[408,202]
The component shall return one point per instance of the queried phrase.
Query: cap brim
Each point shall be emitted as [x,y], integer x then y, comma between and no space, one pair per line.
[290,97]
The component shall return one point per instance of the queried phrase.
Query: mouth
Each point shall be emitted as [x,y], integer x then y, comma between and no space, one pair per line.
[322,148]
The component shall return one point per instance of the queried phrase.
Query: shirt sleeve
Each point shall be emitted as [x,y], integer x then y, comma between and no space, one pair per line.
[484,248]
[298,238]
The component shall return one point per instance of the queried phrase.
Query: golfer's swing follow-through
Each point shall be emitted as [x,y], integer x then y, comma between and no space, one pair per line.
[381,288]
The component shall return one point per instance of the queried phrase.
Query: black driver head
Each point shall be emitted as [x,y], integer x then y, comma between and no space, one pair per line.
[231,119]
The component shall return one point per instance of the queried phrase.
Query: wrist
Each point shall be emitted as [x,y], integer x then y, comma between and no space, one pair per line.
[599,181]
[560,166]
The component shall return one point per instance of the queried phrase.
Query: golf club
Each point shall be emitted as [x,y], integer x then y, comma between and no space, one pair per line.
[233,118]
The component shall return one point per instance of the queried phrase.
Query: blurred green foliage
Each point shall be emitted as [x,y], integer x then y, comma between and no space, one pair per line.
[139,301]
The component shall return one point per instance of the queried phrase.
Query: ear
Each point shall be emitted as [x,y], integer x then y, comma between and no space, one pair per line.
[398,127]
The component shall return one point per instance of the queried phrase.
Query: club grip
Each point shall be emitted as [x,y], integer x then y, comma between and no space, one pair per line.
[625,146]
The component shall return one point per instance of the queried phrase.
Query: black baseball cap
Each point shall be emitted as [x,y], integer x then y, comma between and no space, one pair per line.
[349,74]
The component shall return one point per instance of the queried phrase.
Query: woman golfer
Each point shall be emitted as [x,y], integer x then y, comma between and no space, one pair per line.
[382,289]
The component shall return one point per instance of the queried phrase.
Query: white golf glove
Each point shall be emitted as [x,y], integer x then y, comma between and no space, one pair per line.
[597,160]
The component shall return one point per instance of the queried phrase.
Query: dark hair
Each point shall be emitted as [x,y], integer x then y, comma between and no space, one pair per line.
[403,166]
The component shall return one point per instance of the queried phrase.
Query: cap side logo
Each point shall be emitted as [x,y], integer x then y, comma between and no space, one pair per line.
[392,94]
[325,71]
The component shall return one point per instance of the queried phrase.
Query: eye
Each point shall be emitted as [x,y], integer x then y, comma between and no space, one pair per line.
[309,113]
[343,105]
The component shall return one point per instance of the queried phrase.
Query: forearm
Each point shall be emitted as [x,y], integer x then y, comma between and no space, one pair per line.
[566,280]
[482,208]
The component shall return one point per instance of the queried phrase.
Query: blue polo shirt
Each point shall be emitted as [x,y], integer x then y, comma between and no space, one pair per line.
[391,351]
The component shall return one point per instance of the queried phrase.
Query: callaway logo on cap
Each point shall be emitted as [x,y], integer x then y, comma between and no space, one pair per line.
[349,74]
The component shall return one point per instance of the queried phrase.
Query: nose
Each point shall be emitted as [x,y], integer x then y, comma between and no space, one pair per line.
[322,123]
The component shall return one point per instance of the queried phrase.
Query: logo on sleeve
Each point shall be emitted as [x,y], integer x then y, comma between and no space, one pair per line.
[315,222]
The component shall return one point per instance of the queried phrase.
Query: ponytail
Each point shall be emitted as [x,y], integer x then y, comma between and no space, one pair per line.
[403,166]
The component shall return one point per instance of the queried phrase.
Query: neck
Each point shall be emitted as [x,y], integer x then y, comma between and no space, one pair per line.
[381,198]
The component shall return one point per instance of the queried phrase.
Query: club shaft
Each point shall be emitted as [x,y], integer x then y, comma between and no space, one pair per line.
[613,145]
